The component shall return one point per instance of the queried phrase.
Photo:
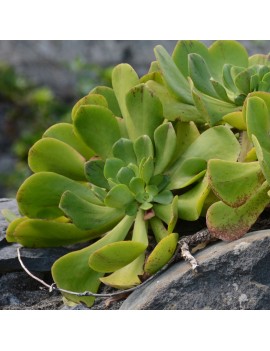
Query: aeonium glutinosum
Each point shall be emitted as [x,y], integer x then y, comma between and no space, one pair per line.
[119,171]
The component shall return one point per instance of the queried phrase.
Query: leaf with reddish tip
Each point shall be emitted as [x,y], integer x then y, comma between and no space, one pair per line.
[228,223]
[234,182]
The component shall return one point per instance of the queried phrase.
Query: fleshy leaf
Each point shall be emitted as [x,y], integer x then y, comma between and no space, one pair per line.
[175,80]
[263,157]
[228,223]
[126,277]
[226,52]
[88,216]
[146,169]
[123,149]
[258,121]
[190,204]
[52,155]
[234,182]
[189,171]
[172,108]
[182,50]
[65,132]
[98,128]
[80,276]
[164,198]
[40,194]
[94,171]
[123,79]
[90,99]
[44,233]
[161,254]
[236,120]
[145,112]
[217,142]
[165,144]
[110,97]
[115,256]
[200,75]
[143,147]
[112,167]
[119,197]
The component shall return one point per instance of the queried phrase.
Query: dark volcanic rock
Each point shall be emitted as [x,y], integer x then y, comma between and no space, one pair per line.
[232,275]
[39,260]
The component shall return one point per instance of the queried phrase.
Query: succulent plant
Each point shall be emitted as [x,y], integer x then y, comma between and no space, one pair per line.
[177,143]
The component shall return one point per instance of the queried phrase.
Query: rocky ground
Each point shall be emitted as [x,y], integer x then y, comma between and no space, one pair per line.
[232,276]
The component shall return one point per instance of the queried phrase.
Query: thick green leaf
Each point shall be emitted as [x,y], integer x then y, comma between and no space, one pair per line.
[190,204]
[227,79]
[234,182]
[172,108]
[40,194]
[146,169]
[12,227]
[182,50]
[94,171]
[137,185]
[72,271]
[44,233]
[165,144]
[228,223]
[189,171]
[263,157]
[110,97]
[186,134]
[88,216]
[126,277]
[145,112]
[242,82]
[200,75]
[164,198]
[158,228]
[123,150]
[52,155]
[217,142]
[258,121]
[115,256]
[125,175]
[123,79]
[220,90]
[161,254]
[112,167]
[143,147]
[174,79]
[210,108]
[98,128]
[140,230]
[226,52]
[119,197]
[65,132]
[259,59]
[90,99]
[236,120]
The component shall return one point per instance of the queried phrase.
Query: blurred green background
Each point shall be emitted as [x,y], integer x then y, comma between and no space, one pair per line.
[40,81]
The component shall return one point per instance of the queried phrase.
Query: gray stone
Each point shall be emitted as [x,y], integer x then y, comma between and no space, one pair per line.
[233,275]
[39,260]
